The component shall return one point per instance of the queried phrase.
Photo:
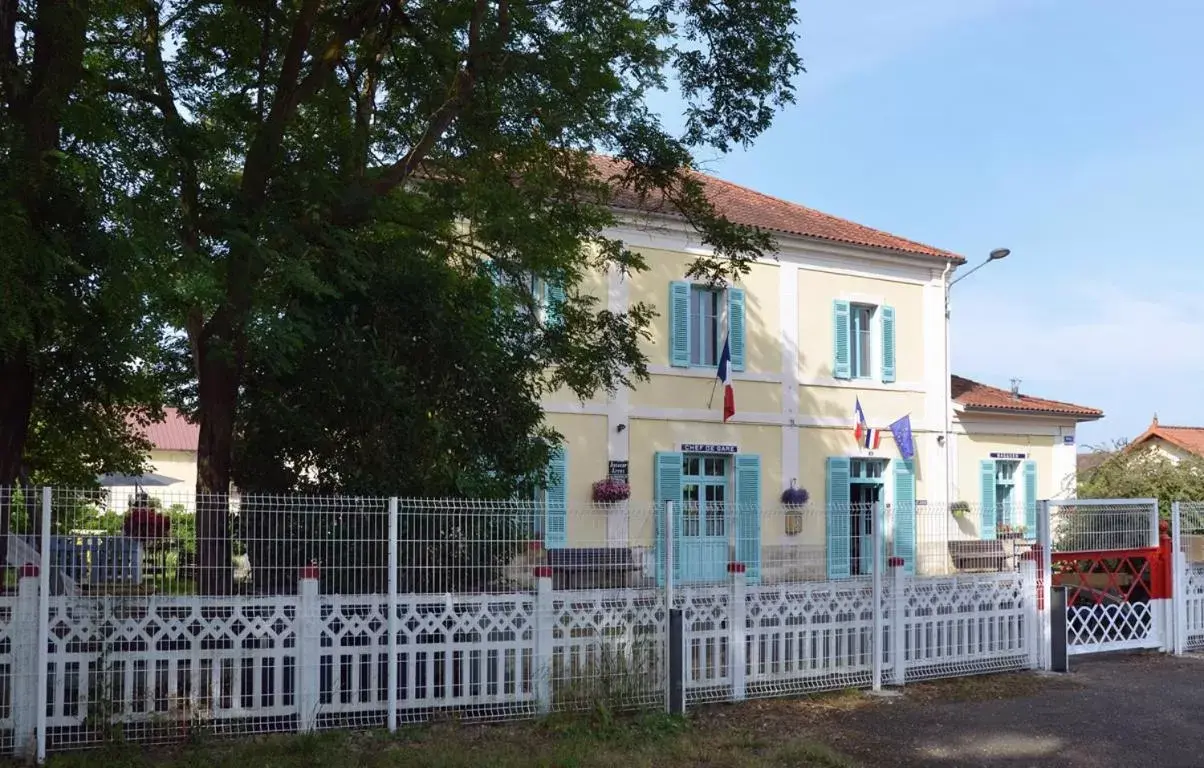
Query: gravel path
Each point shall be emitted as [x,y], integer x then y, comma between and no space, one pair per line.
[1132,710]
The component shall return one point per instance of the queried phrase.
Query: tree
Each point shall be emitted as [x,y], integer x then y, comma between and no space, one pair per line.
[77,345]
[269,135]
[1136,472]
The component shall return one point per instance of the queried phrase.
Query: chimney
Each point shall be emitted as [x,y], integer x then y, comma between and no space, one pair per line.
[1015,389]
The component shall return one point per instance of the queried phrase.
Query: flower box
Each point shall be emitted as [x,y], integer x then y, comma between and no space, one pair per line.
[609,491]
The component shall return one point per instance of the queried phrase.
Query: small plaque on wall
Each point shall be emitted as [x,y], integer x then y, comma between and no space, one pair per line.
[617,470]
[722,448]
[1009,456]
[1067,439]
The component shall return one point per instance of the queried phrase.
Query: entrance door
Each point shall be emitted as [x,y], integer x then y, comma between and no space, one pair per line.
[704,521]
[865,490]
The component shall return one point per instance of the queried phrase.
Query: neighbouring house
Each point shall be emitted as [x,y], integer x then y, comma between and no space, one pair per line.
[171,473]
[1175,443]
[842,314]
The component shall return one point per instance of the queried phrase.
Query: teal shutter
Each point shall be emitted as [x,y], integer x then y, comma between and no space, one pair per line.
[679,324]
[841,355]
[888,344]
[553,298]
[556,525]
[667,477]
[905,513]
[748,515]
[735,325]
[1030,499]
[987,475]
[838,530]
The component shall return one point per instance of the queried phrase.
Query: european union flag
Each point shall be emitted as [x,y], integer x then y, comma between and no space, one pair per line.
[901,429]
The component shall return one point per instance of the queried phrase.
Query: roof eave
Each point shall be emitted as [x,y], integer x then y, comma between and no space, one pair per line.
[1077,416]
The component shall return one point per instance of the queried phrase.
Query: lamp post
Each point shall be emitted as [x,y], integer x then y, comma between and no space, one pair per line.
[993,256]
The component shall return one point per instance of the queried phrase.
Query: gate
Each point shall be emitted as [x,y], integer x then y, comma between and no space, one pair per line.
[1187,522]
[1114,559]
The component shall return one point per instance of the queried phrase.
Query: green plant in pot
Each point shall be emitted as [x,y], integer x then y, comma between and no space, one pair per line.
[960,509]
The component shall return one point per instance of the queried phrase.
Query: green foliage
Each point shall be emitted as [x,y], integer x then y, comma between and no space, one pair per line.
[1126,472]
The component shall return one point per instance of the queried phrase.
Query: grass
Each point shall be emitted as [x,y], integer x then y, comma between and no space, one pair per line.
[763,732]
[557,742]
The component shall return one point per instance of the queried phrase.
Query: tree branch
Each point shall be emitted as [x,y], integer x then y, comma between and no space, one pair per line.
[446,114]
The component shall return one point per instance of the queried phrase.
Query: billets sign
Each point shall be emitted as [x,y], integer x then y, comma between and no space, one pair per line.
[617,470]
[1009,456]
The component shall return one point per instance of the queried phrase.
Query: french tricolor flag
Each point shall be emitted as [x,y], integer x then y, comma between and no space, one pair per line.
[724,373]
[866,436]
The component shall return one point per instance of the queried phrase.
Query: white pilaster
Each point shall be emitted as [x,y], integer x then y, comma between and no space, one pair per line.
[788,277]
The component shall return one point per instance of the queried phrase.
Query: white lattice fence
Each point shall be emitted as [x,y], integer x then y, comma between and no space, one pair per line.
[1191,613]
[970,624]
[608,648]
[8,639]
[162,665]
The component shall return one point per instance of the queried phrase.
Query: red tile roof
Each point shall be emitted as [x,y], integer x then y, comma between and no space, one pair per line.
[174,433]
[1190,439]
[978,396]
[751,208]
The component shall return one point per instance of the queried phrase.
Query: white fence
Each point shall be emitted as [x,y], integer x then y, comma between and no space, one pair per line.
[162,667]
[375,612]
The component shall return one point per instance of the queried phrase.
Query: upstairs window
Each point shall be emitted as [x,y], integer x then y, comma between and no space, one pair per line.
[704,326]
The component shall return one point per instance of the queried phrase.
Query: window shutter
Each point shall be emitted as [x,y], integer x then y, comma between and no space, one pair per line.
[841,354]
[667,473]
[1030,499]
[679,324]
[556,525]
[748,515]
[553,300]
[735,325]
[888,344]
[838,530]
[987,475]
[905,513]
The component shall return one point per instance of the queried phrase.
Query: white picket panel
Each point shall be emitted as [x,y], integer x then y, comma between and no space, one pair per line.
[968,624]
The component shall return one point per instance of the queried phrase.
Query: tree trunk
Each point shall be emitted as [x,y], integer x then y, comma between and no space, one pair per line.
[16,405]
[218,378]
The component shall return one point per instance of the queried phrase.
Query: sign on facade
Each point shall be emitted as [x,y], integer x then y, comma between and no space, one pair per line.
[1011,456]
[617,470]
[723,448]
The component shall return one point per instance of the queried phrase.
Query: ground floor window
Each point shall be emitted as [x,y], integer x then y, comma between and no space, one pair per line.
[865,491]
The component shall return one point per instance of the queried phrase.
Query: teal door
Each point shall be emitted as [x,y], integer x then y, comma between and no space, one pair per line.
[704,518]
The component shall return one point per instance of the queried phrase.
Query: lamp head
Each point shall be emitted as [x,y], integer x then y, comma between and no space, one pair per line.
[998,253]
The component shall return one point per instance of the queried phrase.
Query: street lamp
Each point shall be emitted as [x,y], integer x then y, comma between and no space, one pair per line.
[995,255]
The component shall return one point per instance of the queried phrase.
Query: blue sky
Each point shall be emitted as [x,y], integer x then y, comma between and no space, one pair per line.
[1071,131]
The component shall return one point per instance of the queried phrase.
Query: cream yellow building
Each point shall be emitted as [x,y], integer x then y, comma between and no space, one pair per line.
[841,314]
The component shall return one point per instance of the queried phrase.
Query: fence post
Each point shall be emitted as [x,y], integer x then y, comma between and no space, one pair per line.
[898,635]
[25,669]
[1032,616]
[1178,581]
[876,641]
[392,622]
[545,621]
[1166,604]
[737,629]
[1044,556]
[668,566]
[309,650]
[43,671]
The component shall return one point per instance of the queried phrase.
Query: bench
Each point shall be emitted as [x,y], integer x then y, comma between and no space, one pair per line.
[985,555]
[591,567]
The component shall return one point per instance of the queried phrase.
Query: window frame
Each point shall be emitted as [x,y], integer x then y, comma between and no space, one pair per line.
[1006,480]
[698,328]
[859,312]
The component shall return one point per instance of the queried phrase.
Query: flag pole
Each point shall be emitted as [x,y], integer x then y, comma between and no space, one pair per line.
[724,321]
[714,383]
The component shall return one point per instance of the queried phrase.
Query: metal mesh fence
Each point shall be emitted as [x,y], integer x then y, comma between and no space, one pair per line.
[1094,525]
[170,614]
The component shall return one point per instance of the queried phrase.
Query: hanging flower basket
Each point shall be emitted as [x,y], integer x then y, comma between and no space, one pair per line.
[960,509]
[795,497]
[609,491]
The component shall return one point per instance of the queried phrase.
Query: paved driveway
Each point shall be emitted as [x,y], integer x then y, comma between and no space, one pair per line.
[1133,710]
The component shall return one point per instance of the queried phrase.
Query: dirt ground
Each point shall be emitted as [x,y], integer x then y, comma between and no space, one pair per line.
[1128,710]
